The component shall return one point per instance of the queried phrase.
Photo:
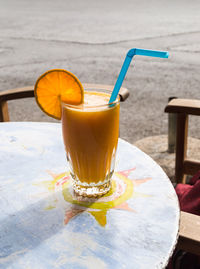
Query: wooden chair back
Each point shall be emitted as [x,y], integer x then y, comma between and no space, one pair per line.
[189,233]
[28,92]
[183,108]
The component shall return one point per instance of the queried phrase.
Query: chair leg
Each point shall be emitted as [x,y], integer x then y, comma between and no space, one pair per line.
[4,116]
[181,146]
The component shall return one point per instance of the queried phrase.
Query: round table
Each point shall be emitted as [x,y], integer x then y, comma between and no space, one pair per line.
[44,225]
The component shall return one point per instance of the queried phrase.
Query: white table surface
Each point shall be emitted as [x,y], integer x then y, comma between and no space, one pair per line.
[43,225]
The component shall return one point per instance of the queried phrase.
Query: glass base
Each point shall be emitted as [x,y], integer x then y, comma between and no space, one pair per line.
[91,190]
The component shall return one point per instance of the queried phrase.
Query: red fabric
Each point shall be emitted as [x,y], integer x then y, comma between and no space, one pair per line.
[189,195]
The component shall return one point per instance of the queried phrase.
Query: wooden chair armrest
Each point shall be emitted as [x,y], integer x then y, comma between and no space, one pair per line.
[16,93]
[187,106]
[25,92]
[13,94]
[123,93]
[29,92]
[189,234]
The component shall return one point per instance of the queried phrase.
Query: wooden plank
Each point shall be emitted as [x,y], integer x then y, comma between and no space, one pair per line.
[17,93]
[4,115]
[123,93]
[29,92]
[189,233]
[191,166]
[189,106]
[181,146]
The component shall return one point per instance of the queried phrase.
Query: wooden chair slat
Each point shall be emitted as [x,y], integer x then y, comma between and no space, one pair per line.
[181,146]
[123,93]
[189,233]
[4,115]
[191,166]
[188,106]
[28,91]
[17,93]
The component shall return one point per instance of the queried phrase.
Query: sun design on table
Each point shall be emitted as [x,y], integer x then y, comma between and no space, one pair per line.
[122,189]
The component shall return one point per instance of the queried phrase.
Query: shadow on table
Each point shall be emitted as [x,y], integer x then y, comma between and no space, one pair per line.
[28,228]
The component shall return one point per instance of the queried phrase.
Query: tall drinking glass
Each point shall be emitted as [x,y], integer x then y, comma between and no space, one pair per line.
[90,134]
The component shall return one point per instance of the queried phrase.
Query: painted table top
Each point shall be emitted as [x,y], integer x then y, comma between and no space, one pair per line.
[43,225]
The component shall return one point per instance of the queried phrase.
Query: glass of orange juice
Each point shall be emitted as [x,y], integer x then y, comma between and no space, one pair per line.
[90,134]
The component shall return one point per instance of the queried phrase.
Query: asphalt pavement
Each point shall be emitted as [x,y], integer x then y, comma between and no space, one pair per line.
[91,38]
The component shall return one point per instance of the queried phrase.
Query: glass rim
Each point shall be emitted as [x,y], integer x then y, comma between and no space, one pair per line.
[80,107]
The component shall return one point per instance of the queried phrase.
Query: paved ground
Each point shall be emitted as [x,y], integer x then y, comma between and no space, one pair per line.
[90,38]
[157,148]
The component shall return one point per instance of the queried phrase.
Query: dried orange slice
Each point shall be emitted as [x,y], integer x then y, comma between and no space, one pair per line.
[54,86]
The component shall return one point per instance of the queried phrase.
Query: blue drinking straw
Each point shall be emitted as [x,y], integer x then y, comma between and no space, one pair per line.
[125,66]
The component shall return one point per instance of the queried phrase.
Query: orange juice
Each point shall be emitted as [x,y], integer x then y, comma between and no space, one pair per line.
[90,133]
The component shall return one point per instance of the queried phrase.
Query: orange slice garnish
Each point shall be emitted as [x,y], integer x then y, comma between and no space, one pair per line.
[54,86]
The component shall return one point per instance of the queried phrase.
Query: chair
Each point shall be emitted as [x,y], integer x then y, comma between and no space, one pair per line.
[28,92]
[183,108]
[189,233]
